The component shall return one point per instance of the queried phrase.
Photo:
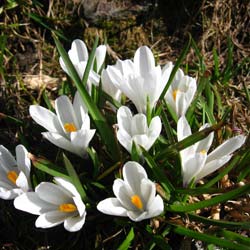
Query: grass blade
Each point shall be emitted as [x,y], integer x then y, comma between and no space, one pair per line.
[209,238]
[74,178]
[126,243]
[207,203]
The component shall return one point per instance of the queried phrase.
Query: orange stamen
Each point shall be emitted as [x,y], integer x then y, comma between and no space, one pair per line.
[12,176]
[70,127]
[175,94]
[136,200]
[67,207]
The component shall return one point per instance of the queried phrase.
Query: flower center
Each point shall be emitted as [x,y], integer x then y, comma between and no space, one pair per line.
[67,207]
[70,127]
[203,151]
[12,176]
[175,93]
[136,200]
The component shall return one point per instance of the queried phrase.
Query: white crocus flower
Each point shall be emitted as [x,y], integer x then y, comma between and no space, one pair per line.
[135,129]
[181,93]
[69,128]
[196,161]
[14,173]
[78,55]
[55,204]
[135,195]
[140,79]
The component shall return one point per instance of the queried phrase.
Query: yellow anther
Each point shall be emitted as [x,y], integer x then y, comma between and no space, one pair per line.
[67,207]
[203,151]
[136,200]
[12,176]
[175,94]
[70,127]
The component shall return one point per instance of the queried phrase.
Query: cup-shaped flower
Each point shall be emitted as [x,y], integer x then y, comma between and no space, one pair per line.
[78,55]
[196,161]
[135,129]
[135,195]
[69,128]
[14,173]
[55,204]
[181,93]
[140,80]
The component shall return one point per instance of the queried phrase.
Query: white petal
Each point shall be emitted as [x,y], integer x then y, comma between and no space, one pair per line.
[144,60]
[65,184]
[31,203]
[22,182]
[226,148]
[78,51]
[53,193]
[125,139]
[155,127]
[51,219]
[10,194]
[100,54]
[80,141]
[192,167]
[124,118]
[23,162]
[123,193]
[111,206]
[45,118]
[61,142]
[80,206]
[108,87]
[144,141]
[79,108]
[156,207]
[6,159]
[133,173]
[74,224]
[205,144]
[65,111]
[212,166]
[139,125]
[137,215]
[183,128]
[148,191]
[63,66]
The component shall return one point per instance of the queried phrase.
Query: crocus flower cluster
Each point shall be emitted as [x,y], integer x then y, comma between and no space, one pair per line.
[68,128]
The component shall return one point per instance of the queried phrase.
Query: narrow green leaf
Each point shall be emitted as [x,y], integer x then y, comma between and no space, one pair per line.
[168,128]
[74,178]
[235,237]
[207,203]
[204,80]
[188,141]
[96,163]
[223,172]
[209,238]
[216,64]
[104,129]
[48,167]
[126,243]
[220,223]
[41,21]
[176,67]
[159,174]
[47,101]
[135,155]
[201,64]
